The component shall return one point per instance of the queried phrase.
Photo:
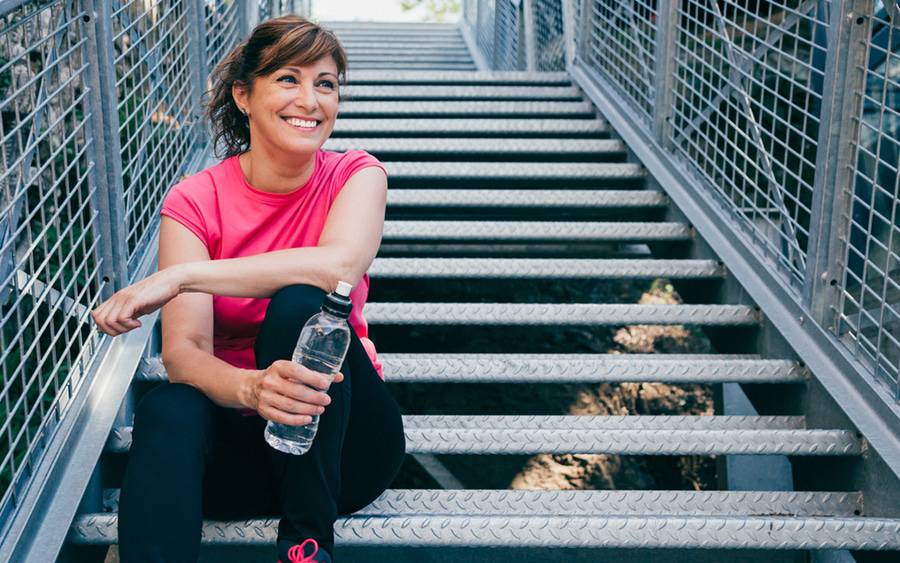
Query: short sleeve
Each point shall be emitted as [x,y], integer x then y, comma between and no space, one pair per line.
[183,206]
[352,162]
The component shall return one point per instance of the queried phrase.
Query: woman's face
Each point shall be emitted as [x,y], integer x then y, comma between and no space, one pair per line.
[295,107]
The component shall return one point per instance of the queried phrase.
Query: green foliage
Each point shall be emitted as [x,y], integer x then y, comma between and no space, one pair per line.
[436,10]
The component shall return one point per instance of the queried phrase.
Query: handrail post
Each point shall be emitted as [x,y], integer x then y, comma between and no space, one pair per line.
[664,70]
[198,36]
[568,15]
[107,152]
[842,95]
[530,43]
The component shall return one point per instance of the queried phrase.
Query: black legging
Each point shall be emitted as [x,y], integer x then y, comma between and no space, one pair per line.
[191,458]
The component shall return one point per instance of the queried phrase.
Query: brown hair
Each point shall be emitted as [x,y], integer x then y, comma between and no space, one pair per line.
[272,44]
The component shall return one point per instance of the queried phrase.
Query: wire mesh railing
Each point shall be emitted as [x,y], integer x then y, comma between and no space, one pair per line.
[50,241]
[787,112]
[100,113]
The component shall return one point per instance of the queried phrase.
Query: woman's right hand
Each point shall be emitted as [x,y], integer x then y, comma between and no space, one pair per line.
[289,393]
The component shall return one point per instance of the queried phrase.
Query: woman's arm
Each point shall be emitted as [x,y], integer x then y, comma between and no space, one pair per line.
[347,246]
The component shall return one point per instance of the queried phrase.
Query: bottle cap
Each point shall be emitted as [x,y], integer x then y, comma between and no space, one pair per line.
[343,289]
[338,303]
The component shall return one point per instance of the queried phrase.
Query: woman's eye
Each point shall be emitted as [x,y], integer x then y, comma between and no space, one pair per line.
[287,76]
[327,83]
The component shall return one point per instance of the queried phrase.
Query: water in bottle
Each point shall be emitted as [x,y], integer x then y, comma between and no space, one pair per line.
[322,346]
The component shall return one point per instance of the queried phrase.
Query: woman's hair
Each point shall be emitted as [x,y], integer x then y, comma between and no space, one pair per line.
[272,44]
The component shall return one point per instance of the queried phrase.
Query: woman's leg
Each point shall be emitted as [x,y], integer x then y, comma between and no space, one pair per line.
[310,484]
[160,506]
[374,446]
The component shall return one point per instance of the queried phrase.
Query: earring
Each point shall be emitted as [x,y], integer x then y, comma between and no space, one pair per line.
[247,115]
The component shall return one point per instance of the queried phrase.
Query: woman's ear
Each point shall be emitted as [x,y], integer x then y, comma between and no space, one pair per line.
[239,93]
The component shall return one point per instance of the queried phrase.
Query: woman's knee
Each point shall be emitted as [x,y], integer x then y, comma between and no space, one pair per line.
[288,310]
[174,410]
[291,306]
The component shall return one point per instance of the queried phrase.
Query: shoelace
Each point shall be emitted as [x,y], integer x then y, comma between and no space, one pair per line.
[295,553]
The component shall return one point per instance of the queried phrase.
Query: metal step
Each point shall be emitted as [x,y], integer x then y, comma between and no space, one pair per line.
[428,50]
[484,78]
[544,199]
[497,127]
[468,147]
[673,532]
[386,65]
[565,368]
[488,502]
[469,109]
[557,314]
[425,58]
[489,93]
[621,435]
[490,171]
[405,44]
[533,231]
[528,268]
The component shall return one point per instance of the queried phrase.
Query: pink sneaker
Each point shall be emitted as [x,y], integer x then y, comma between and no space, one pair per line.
[297,553]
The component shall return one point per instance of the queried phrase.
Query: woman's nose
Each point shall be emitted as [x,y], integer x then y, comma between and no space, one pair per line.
[306,97]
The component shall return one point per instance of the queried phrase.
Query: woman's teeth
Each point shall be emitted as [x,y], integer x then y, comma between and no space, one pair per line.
[302,123]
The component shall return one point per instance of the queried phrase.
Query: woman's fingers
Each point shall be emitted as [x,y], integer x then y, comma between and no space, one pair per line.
[289,405]
[276,415]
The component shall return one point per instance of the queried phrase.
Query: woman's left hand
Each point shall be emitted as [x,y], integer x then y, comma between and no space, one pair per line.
[119,313]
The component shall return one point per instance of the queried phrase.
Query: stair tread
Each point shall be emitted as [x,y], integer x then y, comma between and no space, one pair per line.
[546,368]
[773,532]
[439,125]
[464,146]
[629,435]
[489,502]
[450,91]
[466,108]
[526,198]
[492,268]
[500,77]
[497,231]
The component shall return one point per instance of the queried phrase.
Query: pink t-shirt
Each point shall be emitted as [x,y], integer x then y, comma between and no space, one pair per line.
[234,219]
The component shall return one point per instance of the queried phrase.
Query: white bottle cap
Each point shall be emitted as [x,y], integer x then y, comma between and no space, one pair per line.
[343,289]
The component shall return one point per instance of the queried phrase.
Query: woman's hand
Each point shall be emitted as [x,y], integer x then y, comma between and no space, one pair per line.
[289,393]
[119,313]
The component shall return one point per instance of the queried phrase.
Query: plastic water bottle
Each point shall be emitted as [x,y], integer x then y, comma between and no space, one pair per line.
[322,346]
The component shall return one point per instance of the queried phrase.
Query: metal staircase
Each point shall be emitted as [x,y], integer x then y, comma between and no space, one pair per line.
[502,176]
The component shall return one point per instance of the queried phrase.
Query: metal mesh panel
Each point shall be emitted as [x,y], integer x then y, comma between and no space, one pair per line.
[222,29]
[49,263]
[550,42]
[470,12]
[869,310]
[484,30]
[509,34]
[154,85]
[747,100]
[619,42]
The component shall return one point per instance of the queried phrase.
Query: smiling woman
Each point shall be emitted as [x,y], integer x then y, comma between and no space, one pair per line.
[247,250]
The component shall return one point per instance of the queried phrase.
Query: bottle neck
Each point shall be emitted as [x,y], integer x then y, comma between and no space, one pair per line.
[332,316]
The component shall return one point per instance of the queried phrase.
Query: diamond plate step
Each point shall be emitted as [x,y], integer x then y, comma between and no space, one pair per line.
[544,199]
[560,147]
[529,268]
[422,50]
[489,171]
[624,435]
[564,368]
[487,502]
[468,109]
[757,532]
[450,67]
[534,231]
[557,314]
[490,93]
[456,79]
[419,57]
[437,127]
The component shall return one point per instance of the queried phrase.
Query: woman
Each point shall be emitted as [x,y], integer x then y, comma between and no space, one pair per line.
[247,250]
